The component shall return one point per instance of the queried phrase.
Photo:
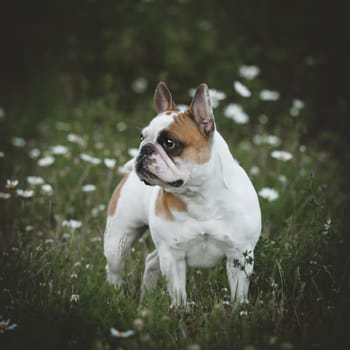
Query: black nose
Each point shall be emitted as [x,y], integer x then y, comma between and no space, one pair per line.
[147,150]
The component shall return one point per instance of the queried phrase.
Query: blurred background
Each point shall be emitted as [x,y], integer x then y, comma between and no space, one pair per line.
[68,50]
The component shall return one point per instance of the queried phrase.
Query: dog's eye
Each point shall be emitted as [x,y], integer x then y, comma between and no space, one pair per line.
[142,137]
[169,144]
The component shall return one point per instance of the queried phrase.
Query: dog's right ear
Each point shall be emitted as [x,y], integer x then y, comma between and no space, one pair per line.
[162,99]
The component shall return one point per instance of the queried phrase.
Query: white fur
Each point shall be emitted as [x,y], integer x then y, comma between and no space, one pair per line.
[222,219]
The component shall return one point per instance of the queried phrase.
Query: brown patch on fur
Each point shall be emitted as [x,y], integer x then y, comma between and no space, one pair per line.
[197,146]
[115,196]
[167,202]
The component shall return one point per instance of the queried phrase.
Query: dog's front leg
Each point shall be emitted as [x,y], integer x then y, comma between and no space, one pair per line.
[118,241]
[239,267]
[151,273]
[173,267]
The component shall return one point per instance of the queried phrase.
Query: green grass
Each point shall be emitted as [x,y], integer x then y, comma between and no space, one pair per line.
[298,295]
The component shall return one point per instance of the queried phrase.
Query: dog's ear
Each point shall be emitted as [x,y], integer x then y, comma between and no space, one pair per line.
[201,111]
[162,99]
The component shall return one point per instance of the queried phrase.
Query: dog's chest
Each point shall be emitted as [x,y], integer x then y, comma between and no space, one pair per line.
[203,243]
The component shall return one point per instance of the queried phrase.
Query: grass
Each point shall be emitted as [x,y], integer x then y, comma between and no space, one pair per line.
[52,279]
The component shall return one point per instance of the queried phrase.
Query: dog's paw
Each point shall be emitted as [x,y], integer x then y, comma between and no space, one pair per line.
[113,278]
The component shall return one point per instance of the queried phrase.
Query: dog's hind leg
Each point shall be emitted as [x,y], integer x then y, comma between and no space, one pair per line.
[126,223]
[239,267]
[150,276]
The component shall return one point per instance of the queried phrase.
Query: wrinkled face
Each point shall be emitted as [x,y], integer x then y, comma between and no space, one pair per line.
[172,146]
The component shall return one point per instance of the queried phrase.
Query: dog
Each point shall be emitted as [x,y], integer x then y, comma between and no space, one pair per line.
[197,201]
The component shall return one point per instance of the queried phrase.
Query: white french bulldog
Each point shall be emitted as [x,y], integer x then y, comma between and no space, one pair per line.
[197,201]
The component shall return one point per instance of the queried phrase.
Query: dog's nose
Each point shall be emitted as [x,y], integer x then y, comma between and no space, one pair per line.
[147,150]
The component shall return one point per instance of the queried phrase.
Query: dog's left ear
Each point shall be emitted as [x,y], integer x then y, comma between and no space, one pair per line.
[201,111]
[162,99]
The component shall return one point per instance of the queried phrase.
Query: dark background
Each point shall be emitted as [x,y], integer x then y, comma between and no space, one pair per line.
[184,43]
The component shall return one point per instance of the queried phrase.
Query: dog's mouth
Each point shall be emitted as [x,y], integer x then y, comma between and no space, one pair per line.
[150,179]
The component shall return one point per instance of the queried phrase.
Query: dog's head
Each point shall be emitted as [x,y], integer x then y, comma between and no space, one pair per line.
[176,143]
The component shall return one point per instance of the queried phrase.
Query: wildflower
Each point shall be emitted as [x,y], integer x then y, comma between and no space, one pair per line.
[297,106]
[47,188]
[235,112]
[74,275]
[76,139]
[225,302]
[216,96]
[269,95]
[46,161]
[88,188]
[89,266]
[92,160]
[35,180]
[267,139]
[73,224]
[138,324]
[25,193]
[282,155]
[59,149]
[95,211]
[34,153]
[326,227]
[133,152]
[6,326]
[254,170]
[74,299]
[121,334]
[243,313]
[283,179]
[241,89]
[18,141]
[11,184]
[139,85]
[4,195]
[109,163]
[121,126]
[249,72]
[269,194]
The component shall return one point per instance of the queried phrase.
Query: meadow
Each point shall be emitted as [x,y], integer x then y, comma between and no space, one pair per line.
[54,194]
[77,79]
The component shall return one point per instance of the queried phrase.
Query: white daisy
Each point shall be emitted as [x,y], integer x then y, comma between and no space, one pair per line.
[18,141]
[74,299]
[90,159]
[88,188]
[139,85]
[75,139]
[34,153]
[249,72]
[235,112]
[11,184]
[268,193]
[133,152]
[109,163]
[59,149]
[241,89]
[269,95]
[73,224]
[47,188]
[46,161]
[121,334]
[282,155]
[35,180]
[25,193]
